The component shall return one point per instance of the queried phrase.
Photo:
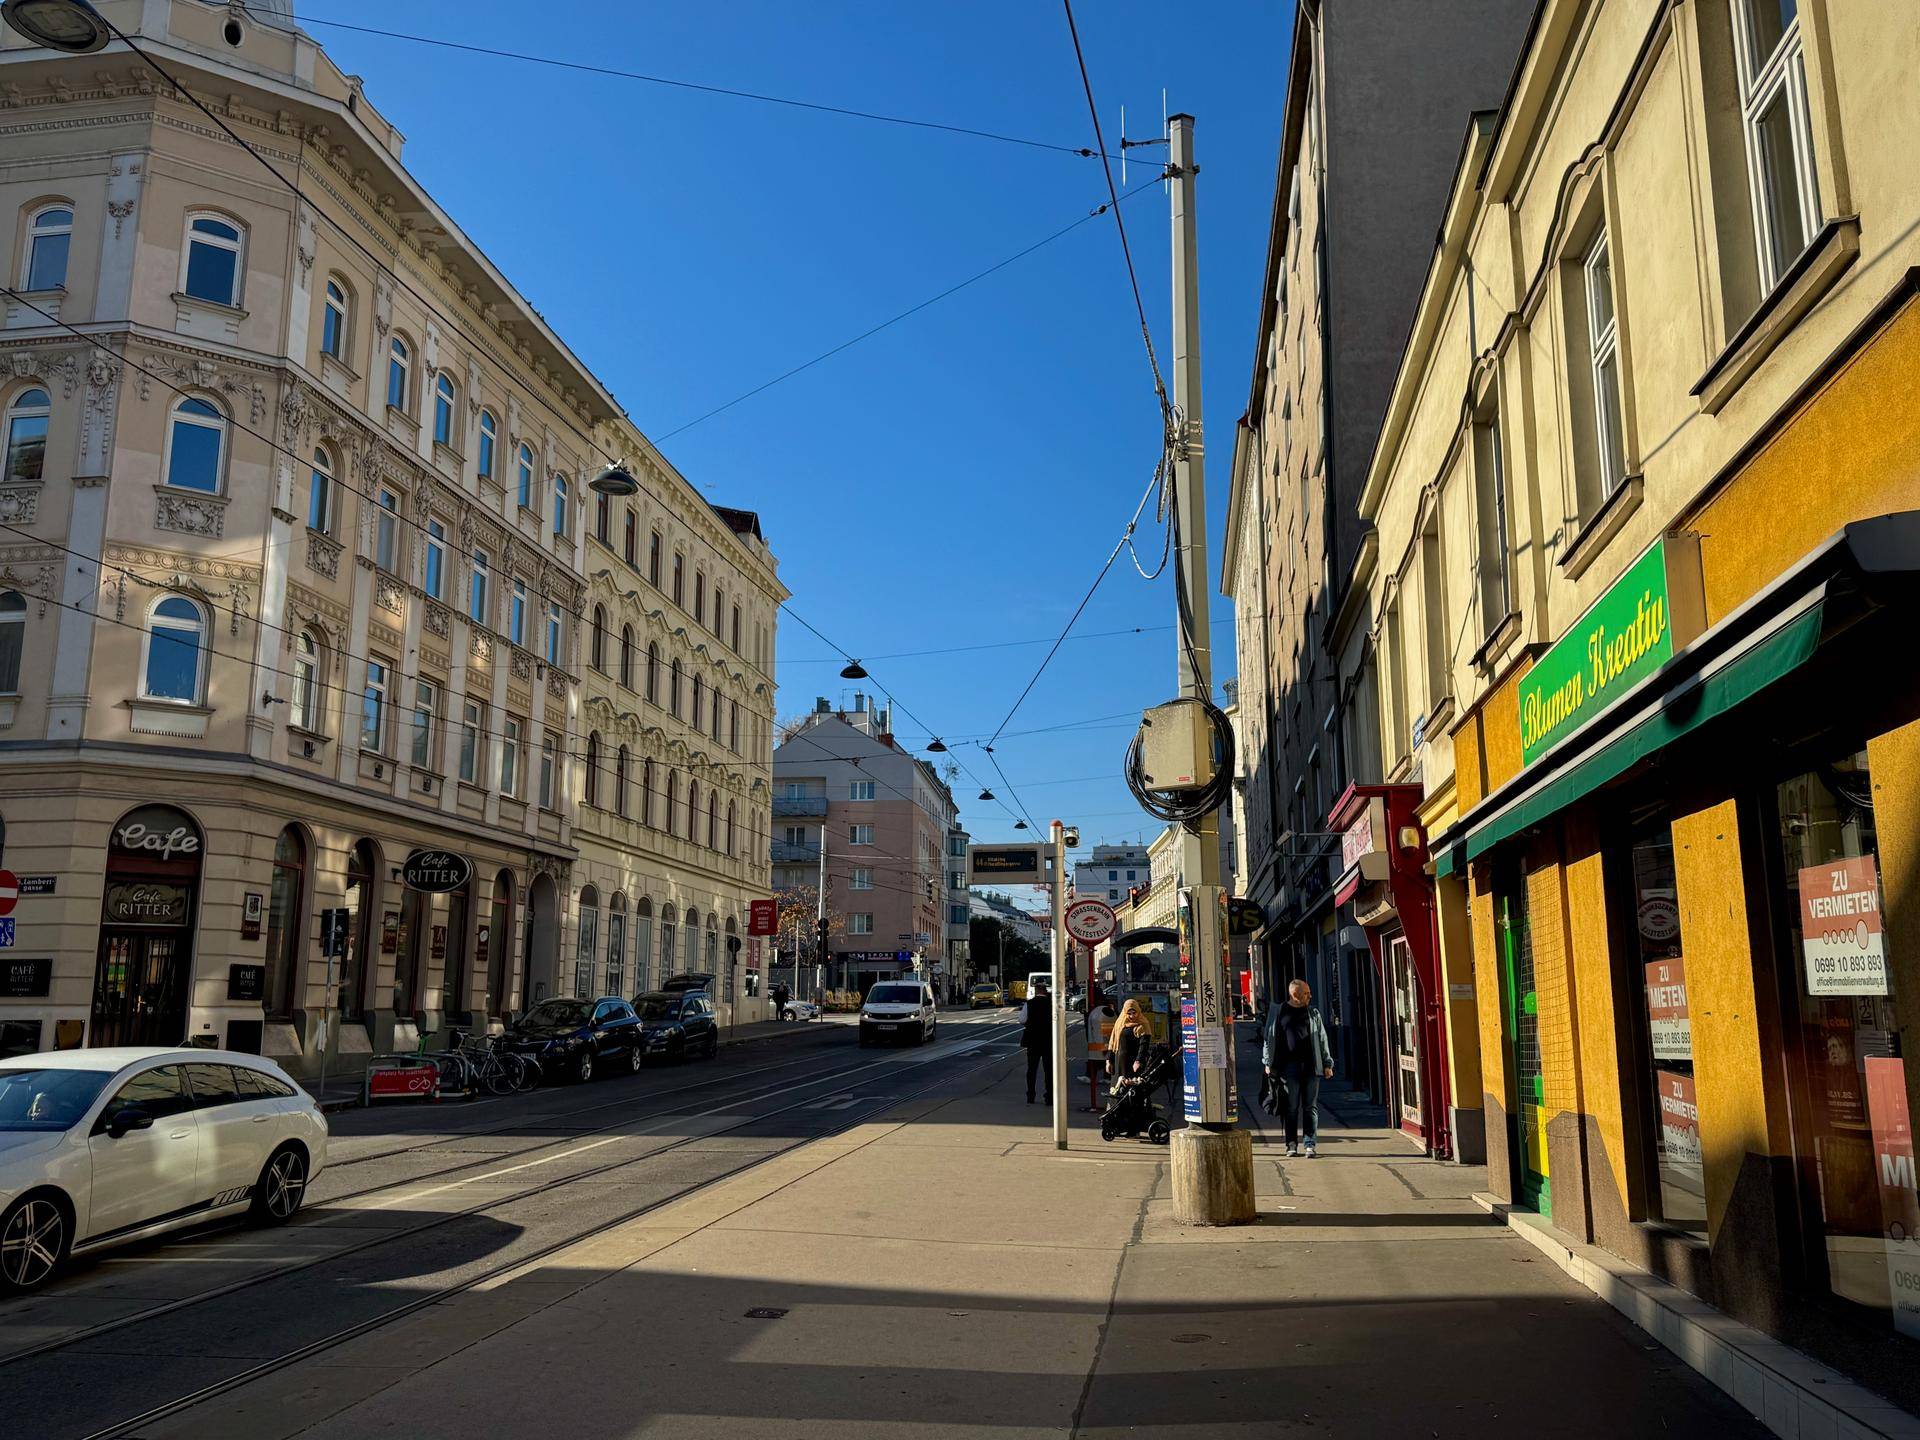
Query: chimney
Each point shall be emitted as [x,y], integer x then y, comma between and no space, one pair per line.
[821,705]
[859,703]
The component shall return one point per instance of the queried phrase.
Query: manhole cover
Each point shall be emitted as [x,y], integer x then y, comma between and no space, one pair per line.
[1194,1339]
[764,1312]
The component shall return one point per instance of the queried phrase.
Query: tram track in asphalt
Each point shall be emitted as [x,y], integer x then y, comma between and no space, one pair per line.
[809,1092]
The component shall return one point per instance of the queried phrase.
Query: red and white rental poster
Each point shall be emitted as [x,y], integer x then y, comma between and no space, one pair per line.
[1679,1118]
[1893,1162]
[1840,928]
[1667,1020]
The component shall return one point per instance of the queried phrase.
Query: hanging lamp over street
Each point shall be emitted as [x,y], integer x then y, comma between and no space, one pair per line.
[986,794]
[936,748]
[616,480]
[854,671]
[72,26]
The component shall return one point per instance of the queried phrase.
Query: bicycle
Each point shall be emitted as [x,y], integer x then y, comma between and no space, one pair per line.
[501,1071]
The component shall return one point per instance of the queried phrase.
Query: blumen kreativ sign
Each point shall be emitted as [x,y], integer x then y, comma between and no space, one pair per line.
[1625,635]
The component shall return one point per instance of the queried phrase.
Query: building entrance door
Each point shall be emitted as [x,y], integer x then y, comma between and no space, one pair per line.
[1528,1085]
[143,973]
[140,989]
[1406,1036]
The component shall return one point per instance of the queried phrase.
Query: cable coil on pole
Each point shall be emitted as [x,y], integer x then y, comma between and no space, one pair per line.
[1187,807]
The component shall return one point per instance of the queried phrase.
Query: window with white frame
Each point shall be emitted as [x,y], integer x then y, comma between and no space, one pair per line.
[560,505]
[617,946]
[478,598]
[860,790]
[553,632]
[386,532]
[373,709]
[473,724]
[333,319]
[860,834]
[510,734]
[28,418]
[444,398]
[523,476]
[399,373]
[588,938]
[426,704]
[862,879]
[517,614]
[434,575]
[320,499]
[860,923]
[175,665]
[1769,56]
[489,435]
[213,263]
[549,760]
[196,446]
[49,235]
[1603,343]
[303,709]
[13,639]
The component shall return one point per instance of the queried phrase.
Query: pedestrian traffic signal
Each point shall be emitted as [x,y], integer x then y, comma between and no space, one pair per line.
[820,929]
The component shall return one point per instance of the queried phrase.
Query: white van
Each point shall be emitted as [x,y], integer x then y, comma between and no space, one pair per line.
[898,1010]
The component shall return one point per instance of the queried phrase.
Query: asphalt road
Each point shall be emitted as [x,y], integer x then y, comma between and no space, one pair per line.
[418,1202]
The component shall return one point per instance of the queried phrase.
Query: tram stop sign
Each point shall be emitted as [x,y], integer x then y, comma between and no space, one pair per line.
[1090,921]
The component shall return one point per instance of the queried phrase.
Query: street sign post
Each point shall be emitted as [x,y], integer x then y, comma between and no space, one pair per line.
[1090,921]
[9,891]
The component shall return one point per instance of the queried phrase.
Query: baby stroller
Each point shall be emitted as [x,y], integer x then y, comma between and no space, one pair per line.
[1131,1109]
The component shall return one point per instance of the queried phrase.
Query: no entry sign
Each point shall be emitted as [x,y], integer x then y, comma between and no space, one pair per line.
[9,891]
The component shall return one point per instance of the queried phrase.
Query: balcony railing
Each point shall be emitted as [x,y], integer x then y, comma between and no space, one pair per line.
[798,805]
[789,852]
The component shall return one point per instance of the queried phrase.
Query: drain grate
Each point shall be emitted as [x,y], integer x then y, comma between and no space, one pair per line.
[765,1312]
[1191,1339]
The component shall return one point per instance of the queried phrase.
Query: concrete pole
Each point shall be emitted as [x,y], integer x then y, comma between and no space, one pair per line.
[1059,997]
[820,914]
[1212,1161]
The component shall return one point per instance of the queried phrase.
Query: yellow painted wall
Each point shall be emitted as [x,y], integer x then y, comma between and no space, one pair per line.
[1500,722]
[1729,1082]
[1553,984]
[1852,451]
[1600,1026]
[1458,968]
[1487,985]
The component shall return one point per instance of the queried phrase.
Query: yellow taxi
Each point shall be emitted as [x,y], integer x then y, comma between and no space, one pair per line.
[985,996]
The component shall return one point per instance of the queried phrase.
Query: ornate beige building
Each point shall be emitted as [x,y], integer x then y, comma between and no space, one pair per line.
[299,573]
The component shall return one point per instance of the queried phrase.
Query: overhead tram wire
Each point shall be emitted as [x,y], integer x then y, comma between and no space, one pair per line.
[611,72]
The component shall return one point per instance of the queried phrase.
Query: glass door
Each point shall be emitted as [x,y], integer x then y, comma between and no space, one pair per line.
[1406,1035]
[1522,1005]
[139,990]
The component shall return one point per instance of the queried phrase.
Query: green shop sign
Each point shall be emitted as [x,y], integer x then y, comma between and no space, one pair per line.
[1625,635]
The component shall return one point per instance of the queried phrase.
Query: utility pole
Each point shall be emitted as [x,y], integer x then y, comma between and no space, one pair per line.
[1212,1160]
[820,912]
[1058,1082]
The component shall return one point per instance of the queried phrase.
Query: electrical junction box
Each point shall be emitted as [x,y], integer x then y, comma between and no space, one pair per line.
[1177,747]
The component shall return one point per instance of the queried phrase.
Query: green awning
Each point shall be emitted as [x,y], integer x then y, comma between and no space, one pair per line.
[1446,862]
[1733,680]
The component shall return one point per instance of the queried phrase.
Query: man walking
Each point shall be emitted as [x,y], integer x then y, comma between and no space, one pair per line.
[1037,1039]
[1297,1056]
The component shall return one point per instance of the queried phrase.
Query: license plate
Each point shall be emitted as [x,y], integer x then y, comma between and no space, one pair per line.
[889,1024]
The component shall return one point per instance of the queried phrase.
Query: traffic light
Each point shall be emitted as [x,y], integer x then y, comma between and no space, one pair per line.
[820,929]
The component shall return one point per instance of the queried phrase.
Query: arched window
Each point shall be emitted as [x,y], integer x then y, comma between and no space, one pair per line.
[733,726]
[673,802]
[593,768]
[304,707]
[626,656]
[617,945]
[176,645]
[673,690]
[196,446]
[693,810]
[693,939]
[716,715]
[333,319]
[559,504]
[589,942]
[646,792]
[49,234]
[620,782]
[679,577]
[497,950]
[13,639]
[286,924]
[713,821]
[27,421]
[399,373]
[730,814]
[320,499]
[719,598]
[642,942]
[489,433]
[700,595]
[653,672]
[713,950]
[597,638]
[699,700]
[666,943]
[523,476]
[211,267]
[444,396]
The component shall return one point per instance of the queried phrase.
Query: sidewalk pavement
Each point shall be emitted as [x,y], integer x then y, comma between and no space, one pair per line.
[942,1270]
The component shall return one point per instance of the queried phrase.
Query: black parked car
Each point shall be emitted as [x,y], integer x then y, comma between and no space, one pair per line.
[575,1038]
[678,1024]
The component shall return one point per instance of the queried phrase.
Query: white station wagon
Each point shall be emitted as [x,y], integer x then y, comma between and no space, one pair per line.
[102,1147]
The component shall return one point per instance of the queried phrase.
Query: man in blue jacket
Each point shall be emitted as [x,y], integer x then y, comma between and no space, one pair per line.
[1296,1054]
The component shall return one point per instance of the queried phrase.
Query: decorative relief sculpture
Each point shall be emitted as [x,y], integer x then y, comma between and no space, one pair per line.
[202,515]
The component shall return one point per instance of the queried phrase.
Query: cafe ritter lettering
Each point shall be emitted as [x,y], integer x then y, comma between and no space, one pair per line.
[435,872]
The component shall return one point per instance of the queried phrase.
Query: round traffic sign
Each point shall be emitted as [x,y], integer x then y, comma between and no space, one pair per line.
[1090,921]
[9,891]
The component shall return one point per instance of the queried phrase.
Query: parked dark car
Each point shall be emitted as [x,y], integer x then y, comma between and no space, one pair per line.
[692,980]
[678,1024]
[577,1038]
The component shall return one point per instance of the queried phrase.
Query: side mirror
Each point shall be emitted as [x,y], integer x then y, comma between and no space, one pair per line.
[129,1119]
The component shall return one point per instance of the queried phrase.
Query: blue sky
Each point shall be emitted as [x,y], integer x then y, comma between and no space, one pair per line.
[958,479]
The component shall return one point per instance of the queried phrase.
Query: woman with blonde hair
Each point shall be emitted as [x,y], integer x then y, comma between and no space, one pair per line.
[1127,1046]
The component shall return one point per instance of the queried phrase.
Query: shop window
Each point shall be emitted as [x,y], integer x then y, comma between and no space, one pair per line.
[666,932]
[1676,1192]
[1852,1133]
[617,946]
[642,943]
[13,632]
[285,924]
[583,963]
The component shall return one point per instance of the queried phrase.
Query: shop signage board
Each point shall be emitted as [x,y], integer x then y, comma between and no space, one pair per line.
[1679,1117]
[436,872]
[1840,928]
[1667,1021]
[1893,1162]
[763,917]
[1624,636]
[1244,917]
[156,830]
[246,982]
[24,979]
[145,902]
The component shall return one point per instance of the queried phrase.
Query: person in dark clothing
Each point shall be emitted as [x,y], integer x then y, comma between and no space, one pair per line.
[1296,1054]
[780,1002]
[1037,1039]
[1127,1048]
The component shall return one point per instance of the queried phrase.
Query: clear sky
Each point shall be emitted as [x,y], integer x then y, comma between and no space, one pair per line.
[958,479]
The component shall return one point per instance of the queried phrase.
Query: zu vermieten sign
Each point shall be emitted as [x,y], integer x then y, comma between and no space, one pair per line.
[1625,635]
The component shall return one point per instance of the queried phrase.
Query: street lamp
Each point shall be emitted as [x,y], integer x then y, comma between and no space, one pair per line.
[616,480]
[854,671]
[936,748]
[72,26]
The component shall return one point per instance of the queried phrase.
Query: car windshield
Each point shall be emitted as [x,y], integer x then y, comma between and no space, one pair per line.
[656,1007]
[894,995]
[560,1012]
[47,1099]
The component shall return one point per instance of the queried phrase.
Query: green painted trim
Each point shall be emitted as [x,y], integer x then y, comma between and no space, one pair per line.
[1782,652]
[1446,863]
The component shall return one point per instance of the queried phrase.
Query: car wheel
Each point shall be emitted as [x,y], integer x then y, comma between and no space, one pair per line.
[635,1059]
[281,1186]
[583,1067]
[713,1045]
[34,1236]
